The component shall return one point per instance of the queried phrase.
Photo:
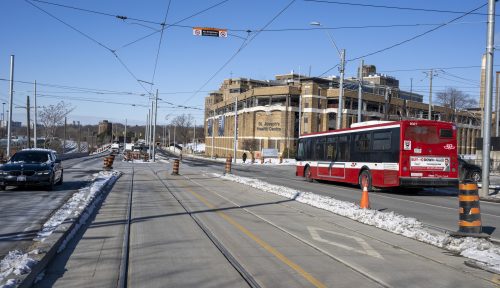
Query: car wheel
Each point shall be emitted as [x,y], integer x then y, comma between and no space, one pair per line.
[475,176]
[365,179]
[50,187]
[307,174]
[60,182]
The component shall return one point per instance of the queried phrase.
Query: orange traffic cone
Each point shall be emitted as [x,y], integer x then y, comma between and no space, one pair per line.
[365,203]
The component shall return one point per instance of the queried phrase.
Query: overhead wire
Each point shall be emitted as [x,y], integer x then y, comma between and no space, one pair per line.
[159,45]
[243,46]
[393,7]
[414,37]
[177,22]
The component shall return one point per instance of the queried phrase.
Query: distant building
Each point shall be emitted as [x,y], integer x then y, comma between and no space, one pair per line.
[268,111]
[104,127]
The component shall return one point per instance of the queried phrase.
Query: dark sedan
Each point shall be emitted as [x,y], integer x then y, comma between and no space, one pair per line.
[32,167]
[469,171]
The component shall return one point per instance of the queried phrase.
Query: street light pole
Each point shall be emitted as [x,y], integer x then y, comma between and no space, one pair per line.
[235,127]
[341,91]
[341,70]
[11,98]
[36,119]
[490,49]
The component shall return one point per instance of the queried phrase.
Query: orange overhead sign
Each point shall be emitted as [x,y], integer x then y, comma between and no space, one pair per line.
[213,32]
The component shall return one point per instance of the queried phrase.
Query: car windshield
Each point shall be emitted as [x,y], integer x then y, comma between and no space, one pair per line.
[30,157]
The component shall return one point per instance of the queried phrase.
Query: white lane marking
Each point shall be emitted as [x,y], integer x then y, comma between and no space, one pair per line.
[367,249]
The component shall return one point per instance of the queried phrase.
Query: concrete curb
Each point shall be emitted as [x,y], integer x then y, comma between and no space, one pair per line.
[49,247]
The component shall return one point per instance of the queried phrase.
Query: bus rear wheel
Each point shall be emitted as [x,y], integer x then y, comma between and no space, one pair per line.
[307,174]
[365,179]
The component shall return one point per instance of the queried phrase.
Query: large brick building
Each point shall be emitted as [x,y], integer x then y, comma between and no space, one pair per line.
[268,111]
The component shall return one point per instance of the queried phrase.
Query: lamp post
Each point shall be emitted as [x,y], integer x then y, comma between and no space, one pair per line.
[341,70]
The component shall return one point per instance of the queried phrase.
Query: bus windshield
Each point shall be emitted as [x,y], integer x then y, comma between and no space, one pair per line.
[428,134]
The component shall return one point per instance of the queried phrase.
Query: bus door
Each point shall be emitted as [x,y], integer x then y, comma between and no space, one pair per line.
[336,169]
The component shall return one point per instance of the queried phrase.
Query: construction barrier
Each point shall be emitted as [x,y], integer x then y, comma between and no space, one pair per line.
[469,224]
[108,163]
[281,159]
[262,160]
[145,157]
[228,165]
[175,170]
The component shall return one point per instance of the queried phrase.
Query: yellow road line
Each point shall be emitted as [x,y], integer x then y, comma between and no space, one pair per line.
[261,242]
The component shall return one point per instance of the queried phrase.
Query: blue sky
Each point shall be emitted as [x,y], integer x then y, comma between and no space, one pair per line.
[50,52]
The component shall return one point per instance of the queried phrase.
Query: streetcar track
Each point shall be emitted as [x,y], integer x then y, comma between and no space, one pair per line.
[124,263]
[338,225]
[358,270]
[247,277]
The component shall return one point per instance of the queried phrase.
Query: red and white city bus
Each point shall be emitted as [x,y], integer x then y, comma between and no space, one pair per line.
[382,154]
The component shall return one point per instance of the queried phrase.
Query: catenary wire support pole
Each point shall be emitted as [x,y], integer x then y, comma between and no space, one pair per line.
[235,127]
[11,98]
[154,126]
[35,135]
[497,106]
[64,142]
[341,89]
[490,49]
[151,130]
[360,90]
[125,136]
[28,135]
[213,133]
[431,74]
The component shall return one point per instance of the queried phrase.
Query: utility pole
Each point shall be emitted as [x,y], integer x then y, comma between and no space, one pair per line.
[213,133]
[497,106]
[490,49]
[125,136]
[79,137]
[11,98]
[154,127]
[64,142]
[146,134]
[431,74]
[151,130]
[194,136]
[35,136]
[28,120]
[360,90]
[341,91]
[235,127]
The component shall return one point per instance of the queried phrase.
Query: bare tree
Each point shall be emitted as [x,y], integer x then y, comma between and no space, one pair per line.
[182,124]
[455,100]
[52,116]
[251,145]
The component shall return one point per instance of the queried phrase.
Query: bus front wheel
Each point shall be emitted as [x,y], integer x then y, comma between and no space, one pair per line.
[365,179]
[307,174]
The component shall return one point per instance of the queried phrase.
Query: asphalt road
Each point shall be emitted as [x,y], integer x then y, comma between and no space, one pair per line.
[197,230]
[23,211]
[437,208]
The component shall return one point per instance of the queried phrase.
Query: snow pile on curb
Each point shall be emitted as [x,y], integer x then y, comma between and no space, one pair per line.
[79,200]
[16,263]
[81,203]
[480,250]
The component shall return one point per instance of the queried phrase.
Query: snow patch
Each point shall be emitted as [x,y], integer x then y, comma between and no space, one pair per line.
[474,248]
[16,263]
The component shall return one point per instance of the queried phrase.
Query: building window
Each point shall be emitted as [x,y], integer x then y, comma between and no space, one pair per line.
[306,120]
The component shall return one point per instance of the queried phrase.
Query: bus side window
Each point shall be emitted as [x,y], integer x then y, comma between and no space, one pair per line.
[300,150]
[331,148]
[343,148]
[319,148]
